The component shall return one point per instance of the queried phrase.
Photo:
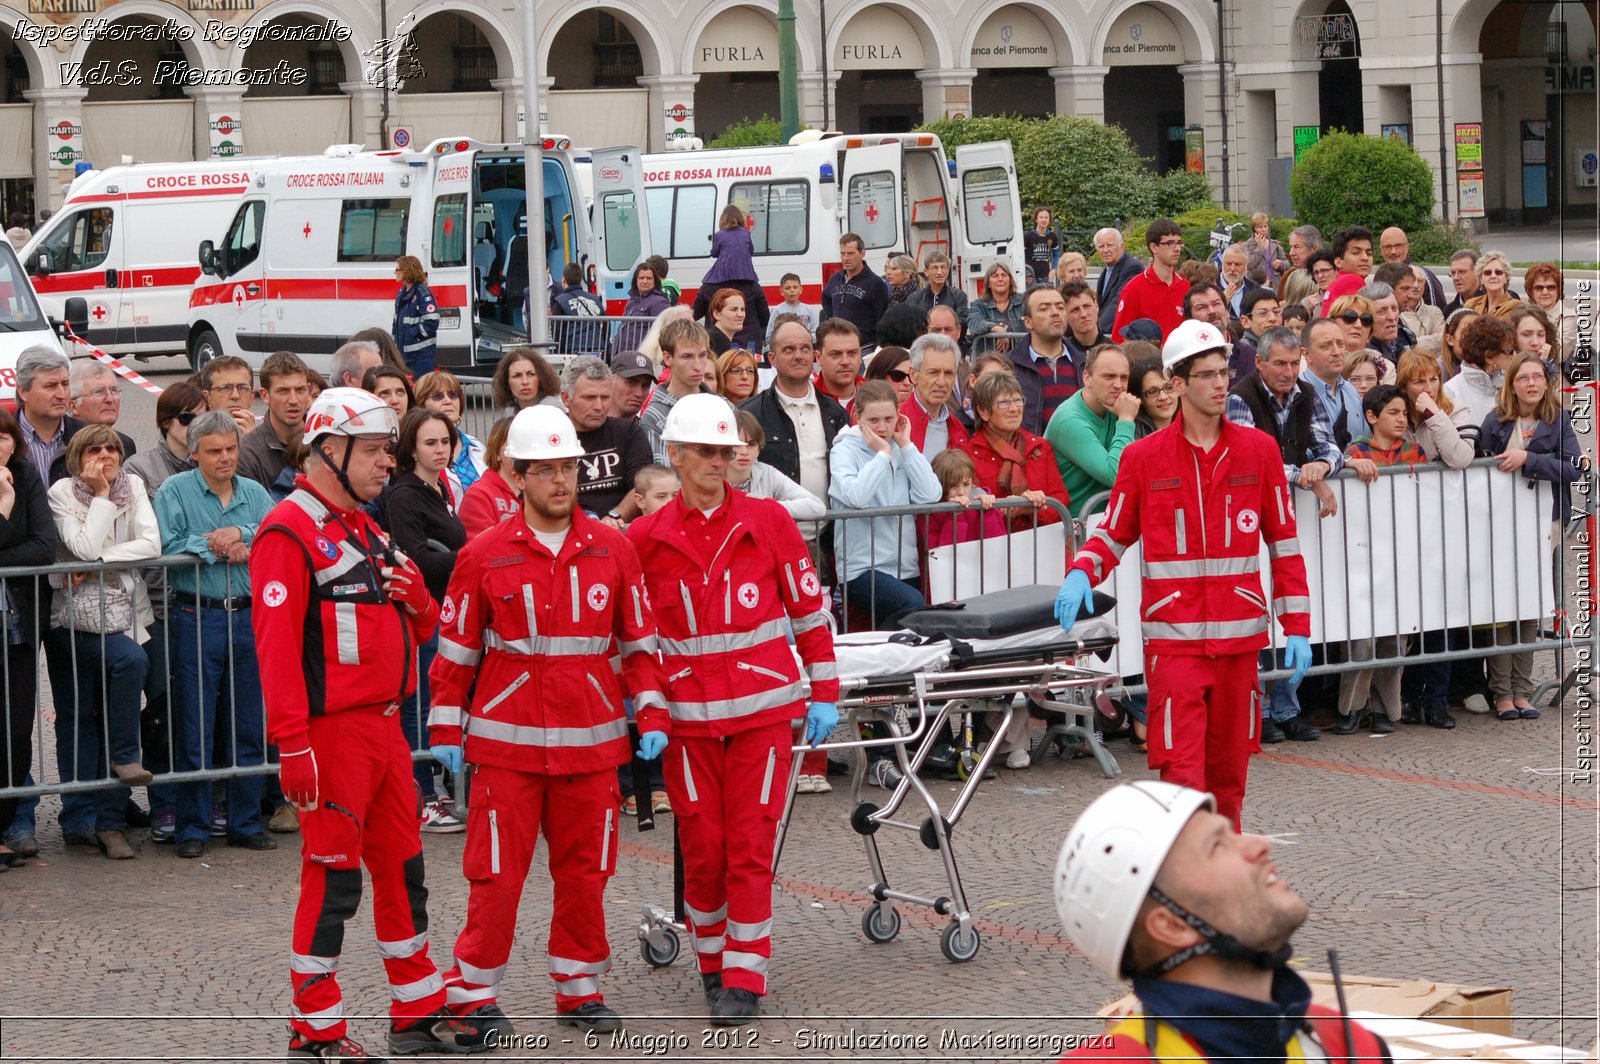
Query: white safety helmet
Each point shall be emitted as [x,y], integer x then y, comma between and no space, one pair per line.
[1110,860]
[541,434]
[350,412]
[1192,338]
[702,418]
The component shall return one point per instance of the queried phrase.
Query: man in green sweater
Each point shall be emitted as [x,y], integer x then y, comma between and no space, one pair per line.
[1090,429]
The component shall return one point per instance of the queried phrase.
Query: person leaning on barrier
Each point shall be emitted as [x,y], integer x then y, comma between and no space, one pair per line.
[1201,495]
[213,512]
[27,538]
[98,622]
[725,572]
[337,614]
[1529,433]
[645,301]
[1153,887]
[1010,460]
[546,753]
[1277,400]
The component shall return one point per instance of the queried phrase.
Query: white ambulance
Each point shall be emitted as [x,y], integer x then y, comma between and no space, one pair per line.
[899,192]
[308,257]
[123,241]
[24,324]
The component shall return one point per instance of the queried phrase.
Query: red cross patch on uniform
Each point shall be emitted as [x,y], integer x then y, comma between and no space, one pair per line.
[1248,521]
[598,596]
[749,596]
[447,611]
[274,594]
[809,583]
[431,308]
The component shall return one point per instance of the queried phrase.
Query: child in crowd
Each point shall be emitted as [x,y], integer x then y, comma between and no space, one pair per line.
[1375,693]
[760,480]
[954,470]
[732,248]
[789,284]
[653,487]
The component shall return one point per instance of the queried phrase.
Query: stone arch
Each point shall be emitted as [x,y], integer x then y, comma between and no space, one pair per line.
[936,49]
[1198,34]
[40,73]
[363,31]
[654,50]
[1070,46]
[805,42]
[194,50]
[501,37]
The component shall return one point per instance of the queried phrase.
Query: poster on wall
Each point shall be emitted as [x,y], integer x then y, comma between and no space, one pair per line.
[680,122]
[1533,140]
[1400,131]
[66,142]
[1469,195]
[227,134]
[1194,150]
[1469,146]
[1304,138]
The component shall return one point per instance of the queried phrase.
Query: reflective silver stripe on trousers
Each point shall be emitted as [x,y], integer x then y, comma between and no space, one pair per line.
[694,796]
[419,989]
[605,840]
[801,625]
[547,645]
[728,708]
[1203,567]
[460,995]
[445,717]
[568,966]
[750,962]
[1194,631]
[344,631]
[403,947]
[1283,548]
[1255,715]
[710,944]
[727,642]
[750,932]
[452,651]
[648,645]
[526,735]
[306,964]
[480,976]
[1166,726]
[580,986]
[701,919]
[1292,604]
[321,1020]
[766,779]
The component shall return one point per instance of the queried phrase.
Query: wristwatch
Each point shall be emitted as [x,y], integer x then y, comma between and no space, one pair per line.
[614,514]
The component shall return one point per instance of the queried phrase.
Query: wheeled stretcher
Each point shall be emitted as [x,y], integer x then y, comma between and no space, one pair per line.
[950,665]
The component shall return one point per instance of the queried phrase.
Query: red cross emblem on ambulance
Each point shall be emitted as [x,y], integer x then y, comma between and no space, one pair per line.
[872,212]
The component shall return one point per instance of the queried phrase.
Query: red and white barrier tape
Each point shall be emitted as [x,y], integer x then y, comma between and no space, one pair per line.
[132,376]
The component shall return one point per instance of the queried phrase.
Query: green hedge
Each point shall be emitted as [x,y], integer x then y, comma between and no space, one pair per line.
[1086,172]
[750,133]
[1350,179]
[1197,224]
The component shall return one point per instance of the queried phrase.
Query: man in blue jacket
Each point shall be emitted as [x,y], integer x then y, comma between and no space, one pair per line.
[855,293]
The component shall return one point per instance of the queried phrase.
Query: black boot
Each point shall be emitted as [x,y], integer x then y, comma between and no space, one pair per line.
[302,1049]
[442,1032]
[735,1007]
[591,1015]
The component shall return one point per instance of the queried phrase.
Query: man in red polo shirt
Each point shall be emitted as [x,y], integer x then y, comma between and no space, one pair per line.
[1158,292]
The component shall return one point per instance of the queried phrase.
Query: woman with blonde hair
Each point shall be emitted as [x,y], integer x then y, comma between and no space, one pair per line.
[903,277]
[737,375]
[1494,274]
[1444,431]
[1262,252]
[1297,286]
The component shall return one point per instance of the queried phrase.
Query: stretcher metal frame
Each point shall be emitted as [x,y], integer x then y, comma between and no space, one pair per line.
[966,682]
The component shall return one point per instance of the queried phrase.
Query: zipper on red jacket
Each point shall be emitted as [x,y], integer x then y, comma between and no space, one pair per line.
[1200,495]
[1227,524]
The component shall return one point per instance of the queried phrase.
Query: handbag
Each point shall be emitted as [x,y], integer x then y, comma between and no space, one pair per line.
[100,607]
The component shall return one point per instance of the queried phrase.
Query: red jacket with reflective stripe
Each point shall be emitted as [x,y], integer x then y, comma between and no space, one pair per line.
[525,651]
[724,649]
[1202,541]
[328,638]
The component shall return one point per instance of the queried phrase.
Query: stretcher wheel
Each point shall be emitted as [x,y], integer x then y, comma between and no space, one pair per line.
[966,764]
[957,947]
[666,955]
[880,924]
[861,819]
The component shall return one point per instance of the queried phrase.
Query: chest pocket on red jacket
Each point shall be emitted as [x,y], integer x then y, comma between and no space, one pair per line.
[514,612]
[1172,524]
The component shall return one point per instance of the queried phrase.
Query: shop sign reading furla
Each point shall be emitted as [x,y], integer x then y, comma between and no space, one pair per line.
[879,38]
[1013,37]
[740,39]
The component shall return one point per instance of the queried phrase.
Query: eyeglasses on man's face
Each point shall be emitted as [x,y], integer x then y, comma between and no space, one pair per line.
[562,470]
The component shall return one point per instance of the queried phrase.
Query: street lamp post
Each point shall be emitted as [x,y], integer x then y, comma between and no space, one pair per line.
[788,72]
[533,163]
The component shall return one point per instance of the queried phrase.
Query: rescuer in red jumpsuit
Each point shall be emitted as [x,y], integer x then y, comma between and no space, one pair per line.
[728,574]
[1202,494]
[338,614]
[536,607]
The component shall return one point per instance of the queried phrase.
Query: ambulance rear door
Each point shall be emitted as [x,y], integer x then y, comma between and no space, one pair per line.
[621,224]
[451,251]
[991,221]
[873,178]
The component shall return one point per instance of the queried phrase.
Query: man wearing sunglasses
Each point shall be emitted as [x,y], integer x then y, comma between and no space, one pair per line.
[729,577]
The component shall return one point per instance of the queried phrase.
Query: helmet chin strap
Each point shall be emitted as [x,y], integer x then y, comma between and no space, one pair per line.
[342,469]
[1214,943]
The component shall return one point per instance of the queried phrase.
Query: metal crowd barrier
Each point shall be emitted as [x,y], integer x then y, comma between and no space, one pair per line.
[980,344]
[579,334]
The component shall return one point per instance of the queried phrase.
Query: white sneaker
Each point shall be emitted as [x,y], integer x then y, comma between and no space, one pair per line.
[439,819]
[803,784]
[1476,703]
[1018,759]
[820,785]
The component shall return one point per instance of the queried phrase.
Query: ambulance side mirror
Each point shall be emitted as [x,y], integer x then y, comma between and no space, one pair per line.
[208,257]
[76,311]
[42,268]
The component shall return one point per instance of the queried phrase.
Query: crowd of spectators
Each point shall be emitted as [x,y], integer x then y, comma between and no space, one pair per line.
[898,391]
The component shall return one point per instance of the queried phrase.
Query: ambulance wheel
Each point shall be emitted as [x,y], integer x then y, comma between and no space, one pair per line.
[957,947]
[880,924]
[203,348]
[666,955]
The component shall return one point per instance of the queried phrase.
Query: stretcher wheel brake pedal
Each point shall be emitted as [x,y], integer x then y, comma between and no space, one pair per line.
[861,819]
[881,923]
[958,946]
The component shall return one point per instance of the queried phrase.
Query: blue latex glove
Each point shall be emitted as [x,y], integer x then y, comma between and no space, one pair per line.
[448,756]
[821,719]
[1297,656]
[651,743]
[1072,597]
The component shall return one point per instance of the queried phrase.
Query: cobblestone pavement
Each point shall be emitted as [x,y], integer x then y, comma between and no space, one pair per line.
[1466,856]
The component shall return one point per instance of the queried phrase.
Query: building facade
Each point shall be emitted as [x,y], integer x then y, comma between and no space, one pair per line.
[1235,84]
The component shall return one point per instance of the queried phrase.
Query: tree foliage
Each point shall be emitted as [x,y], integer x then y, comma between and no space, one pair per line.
[750,133]
[1350,179]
